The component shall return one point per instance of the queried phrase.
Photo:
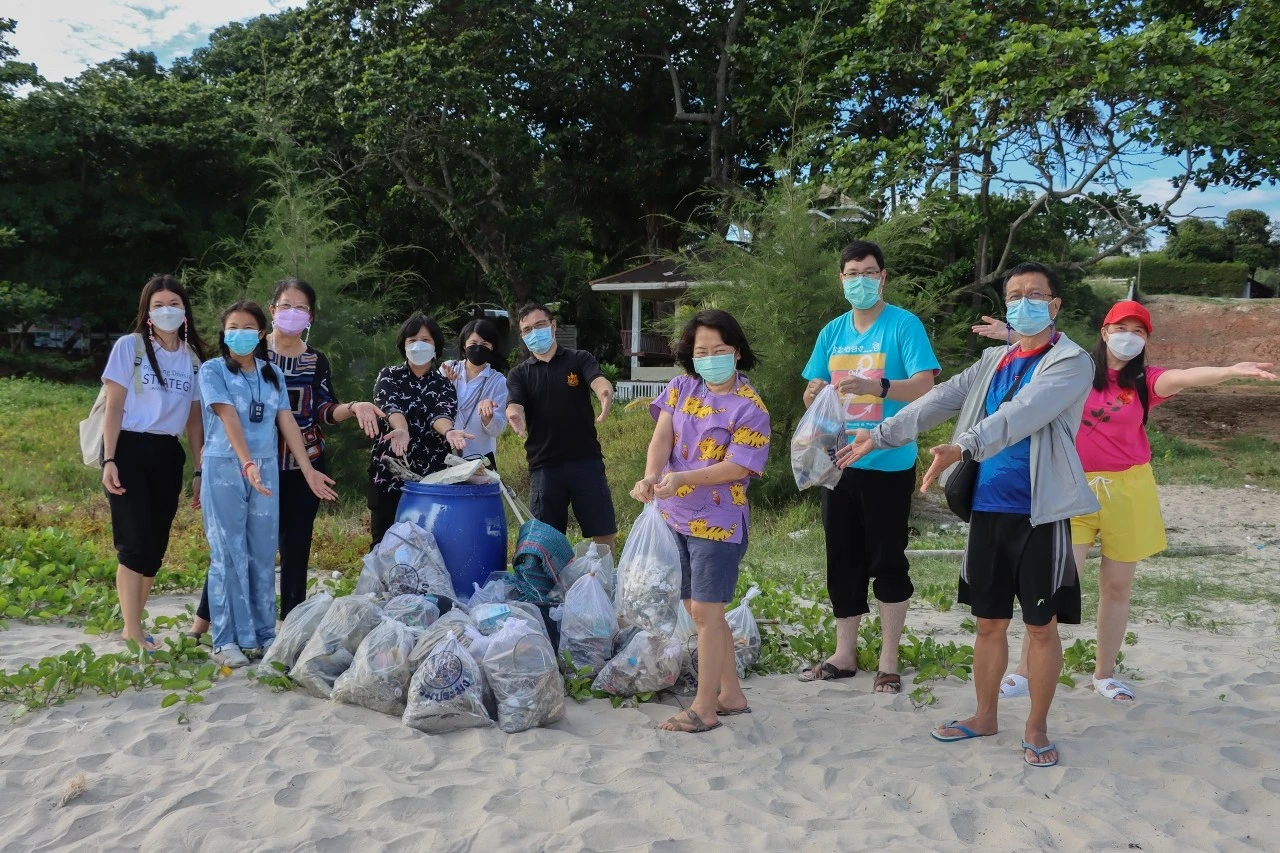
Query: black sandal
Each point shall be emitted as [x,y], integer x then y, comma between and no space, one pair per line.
[887,679]
[826,672]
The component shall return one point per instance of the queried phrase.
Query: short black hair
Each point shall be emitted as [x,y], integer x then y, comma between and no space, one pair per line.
[724,323]
[416,323]
[859,249]
[529,308]
[1027,267]
[286,284]
[481,327]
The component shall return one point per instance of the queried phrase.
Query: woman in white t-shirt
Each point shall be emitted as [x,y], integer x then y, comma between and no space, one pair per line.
[153,395]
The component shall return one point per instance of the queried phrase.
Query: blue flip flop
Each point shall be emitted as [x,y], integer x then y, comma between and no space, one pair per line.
[1039,751]
[966,733]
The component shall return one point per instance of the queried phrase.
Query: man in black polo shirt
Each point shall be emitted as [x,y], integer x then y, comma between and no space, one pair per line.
[549,405]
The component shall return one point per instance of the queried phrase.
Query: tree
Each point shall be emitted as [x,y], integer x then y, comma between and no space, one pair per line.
[1249,233]
[1195,239]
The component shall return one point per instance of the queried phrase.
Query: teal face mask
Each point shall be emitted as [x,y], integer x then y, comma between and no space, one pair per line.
[1028,316]
[241,341]
[539,340]
[862,291]
[715,369]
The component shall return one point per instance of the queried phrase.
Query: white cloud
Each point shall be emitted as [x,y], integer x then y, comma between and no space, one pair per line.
[63,37]
[1213,203]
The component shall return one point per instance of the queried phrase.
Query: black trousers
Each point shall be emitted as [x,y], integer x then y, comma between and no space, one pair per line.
[383,507]
[865,518]
[298,508]
[150,468]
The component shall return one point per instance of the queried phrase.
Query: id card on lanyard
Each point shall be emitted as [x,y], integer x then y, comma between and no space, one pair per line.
[256,408]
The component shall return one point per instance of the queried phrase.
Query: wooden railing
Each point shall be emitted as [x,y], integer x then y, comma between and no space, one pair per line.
[650,345]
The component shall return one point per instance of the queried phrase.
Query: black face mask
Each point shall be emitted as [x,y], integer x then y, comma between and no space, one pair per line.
[479,354]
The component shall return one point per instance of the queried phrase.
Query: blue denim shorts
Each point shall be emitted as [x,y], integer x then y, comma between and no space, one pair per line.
[709,569]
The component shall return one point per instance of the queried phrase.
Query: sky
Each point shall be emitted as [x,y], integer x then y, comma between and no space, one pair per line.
[63,37]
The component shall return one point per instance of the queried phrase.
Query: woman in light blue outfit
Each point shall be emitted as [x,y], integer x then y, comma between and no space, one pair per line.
[245,404]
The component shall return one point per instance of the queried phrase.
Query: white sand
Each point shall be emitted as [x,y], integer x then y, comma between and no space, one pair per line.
[1193,765]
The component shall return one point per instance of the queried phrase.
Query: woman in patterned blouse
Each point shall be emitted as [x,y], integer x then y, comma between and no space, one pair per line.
[420,405]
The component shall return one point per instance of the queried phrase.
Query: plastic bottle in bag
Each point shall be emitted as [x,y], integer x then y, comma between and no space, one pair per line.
[649,663]
[820,433]
[520,665]
[332,647]
[588,624]
[746,634]
[649,575]
[446,692]
[296,631]
[379,674]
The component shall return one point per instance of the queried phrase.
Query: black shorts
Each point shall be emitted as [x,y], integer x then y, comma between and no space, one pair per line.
[865,519]
[150,468]
[584,485]
[1006,557]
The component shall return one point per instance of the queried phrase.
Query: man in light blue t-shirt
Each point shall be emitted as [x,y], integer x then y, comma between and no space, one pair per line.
[879,358]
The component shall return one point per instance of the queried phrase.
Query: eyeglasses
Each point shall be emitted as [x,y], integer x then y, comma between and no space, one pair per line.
[858,273]
[541,324]
[1035,295]
[286,306]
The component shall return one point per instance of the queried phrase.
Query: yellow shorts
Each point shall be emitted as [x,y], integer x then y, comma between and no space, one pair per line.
[1129,521]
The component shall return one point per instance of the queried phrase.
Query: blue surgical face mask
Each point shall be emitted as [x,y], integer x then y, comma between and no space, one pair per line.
[715,369]
[862,291]
[539,340]
[1028,316]
[241,341]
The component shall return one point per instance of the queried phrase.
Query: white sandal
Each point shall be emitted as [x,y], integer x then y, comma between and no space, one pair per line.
[1110,688]
[1019,688]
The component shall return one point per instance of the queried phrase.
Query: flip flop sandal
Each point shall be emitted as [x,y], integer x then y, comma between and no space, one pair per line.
[733,712]
[1110,688]
[966,733]
[1039,751]
[698,726]
[888,679]
[826,672]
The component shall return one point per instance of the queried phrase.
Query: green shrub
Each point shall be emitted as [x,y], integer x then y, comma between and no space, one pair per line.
[1159,274]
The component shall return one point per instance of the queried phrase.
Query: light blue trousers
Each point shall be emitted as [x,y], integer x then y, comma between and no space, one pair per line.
[243,528]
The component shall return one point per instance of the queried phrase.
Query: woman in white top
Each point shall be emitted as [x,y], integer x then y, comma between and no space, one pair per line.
[153,395]
[482,391]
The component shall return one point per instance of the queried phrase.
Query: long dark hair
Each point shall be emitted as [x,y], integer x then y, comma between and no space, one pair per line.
[1133,371]
[186,333]
[730,332]
[247,306]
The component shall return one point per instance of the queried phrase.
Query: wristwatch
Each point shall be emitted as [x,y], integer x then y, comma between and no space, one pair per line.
[884,387]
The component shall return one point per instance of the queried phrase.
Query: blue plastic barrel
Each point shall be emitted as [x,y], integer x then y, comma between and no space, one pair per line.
[469,525]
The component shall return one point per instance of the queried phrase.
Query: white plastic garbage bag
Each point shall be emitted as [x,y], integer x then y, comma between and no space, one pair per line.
[379,675]
[590,557]
[296,631]
[588,624]
[520,665]
[649,663]
[649,575]
[409,561]
[455,622]
[746,634]
[820,433]
[447,691]
[332,647]
[416,611]
[494,591]
[687,635]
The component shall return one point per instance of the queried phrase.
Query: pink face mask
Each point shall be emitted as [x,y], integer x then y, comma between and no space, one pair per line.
[291,321]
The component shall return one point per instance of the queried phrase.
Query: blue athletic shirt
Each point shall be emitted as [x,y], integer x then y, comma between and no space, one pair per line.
[897,347]
[1004,480]
[219,385]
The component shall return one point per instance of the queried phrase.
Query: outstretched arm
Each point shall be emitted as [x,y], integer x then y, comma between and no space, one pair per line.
[1174,381]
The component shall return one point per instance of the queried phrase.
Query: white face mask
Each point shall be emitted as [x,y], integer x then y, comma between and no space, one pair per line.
[168,318]
[419,352]
[1125,345]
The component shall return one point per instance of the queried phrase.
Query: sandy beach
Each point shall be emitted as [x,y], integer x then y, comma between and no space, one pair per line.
[1193,765]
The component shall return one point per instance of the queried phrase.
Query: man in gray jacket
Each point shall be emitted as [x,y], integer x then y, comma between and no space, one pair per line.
[1017,410]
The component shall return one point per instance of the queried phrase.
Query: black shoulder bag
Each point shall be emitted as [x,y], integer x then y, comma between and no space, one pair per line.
[959,489]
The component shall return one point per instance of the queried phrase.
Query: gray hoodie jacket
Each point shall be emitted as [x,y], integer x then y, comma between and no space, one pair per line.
[1047,408]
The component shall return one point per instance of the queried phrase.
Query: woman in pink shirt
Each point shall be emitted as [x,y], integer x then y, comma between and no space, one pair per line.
[1116,455]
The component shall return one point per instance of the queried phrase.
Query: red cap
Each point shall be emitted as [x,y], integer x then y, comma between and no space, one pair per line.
[1128,309]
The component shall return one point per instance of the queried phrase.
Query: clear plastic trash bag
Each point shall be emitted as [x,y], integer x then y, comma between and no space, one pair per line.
[378,678]
[296,631]
[820,433]
[447,691]
[416,611]
[455,622]
[746,634]
[332,647]
[520,665]
[648,593]
[587,625]
[649,663]
[588,557]
[406,561]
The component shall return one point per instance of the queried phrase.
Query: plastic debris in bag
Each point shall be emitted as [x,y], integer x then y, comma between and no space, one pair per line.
[455,473]
[746,634]
[410,562]
[687,634]
[590,557]
[378,678]
[446,692]
[455,622]
[416,611]
[332,647]
[649,663]
[494,591]
[587,624]
[296,631]
[649,575]
[820,433]
[520,665]
[489,618]
[372,580]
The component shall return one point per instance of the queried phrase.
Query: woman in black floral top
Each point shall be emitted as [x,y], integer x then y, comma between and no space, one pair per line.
[420,406]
